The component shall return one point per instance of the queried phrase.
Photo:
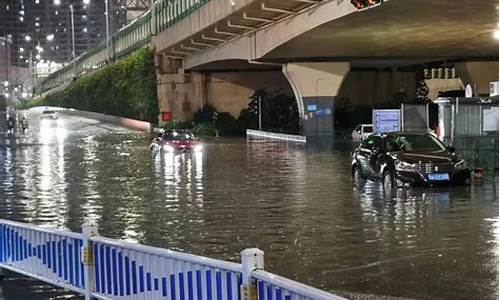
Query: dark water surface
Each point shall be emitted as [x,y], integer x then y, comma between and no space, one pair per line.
[300,208]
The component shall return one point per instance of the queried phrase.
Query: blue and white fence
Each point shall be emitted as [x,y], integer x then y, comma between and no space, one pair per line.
[49,255]
[103,268]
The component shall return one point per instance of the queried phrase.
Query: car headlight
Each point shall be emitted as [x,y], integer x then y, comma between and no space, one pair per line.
[462,164]
[168,148]
[404,166]
[198,148]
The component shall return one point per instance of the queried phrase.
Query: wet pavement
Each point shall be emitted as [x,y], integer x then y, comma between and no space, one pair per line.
[301,208]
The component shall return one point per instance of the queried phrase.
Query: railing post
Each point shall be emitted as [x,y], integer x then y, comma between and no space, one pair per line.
[88,230]
[251,259]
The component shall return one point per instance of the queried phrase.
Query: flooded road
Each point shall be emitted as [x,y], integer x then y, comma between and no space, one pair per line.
[300,208]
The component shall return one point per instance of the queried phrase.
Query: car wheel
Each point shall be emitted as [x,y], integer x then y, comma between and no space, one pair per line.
[388,180]
[357,178]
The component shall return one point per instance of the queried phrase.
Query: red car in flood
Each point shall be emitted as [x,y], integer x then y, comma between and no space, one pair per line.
[176,140]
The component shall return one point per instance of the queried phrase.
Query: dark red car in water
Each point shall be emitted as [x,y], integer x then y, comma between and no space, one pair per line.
[176,140]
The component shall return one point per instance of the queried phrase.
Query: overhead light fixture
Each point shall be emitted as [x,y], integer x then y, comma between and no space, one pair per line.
[50,37]
[27,38]
[57,2]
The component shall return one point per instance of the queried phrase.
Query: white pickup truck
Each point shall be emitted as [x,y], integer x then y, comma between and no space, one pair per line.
[361,132]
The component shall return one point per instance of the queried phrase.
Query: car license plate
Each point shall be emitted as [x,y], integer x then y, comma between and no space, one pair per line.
[439,176]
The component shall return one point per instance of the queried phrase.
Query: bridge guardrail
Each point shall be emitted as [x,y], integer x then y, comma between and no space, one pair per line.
[105,268]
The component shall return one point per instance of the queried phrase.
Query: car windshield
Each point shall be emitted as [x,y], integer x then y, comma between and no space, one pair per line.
[413,143]
[49,112]
[368,129]
[178,135]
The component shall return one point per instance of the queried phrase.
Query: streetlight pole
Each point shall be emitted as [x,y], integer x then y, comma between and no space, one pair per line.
[72,32]
[107,27]
[31,75]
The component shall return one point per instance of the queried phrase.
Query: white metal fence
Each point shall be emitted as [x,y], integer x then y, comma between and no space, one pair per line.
[110,269]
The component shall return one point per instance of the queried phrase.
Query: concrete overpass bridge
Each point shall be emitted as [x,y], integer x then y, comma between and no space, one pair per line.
[227,49]
[220,51]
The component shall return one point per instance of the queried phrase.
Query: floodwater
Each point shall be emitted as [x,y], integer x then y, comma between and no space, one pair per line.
[300,208]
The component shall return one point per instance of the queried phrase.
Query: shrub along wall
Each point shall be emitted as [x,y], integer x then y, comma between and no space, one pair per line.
[126,88]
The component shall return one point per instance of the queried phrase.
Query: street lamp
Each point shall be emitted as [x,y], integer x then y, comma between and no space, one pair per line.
[107,27]
[72,32]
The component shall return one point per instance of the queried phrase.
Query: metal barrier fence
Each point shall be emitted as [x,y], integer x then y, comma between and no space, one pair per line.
[480,151]
[49,255]
[274,287]
[125,269]
[162,15]
[110,269]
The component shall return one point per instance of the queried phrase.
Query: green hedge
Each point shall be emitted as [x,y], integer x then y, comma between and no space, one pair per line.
[126,88]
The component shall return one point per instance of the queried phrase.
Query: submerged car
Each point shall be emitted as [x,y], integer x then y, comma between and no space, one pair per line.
[401,158]
[48,118]
[171,141]
[49,114]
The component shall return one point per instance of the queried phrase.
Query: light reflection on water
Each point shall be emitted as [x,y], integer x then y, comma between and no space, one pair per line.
[300,208]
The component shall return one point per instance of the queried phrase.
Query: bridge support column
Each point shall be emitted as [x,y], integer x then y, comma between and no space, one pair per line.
[315,85]
[179,94]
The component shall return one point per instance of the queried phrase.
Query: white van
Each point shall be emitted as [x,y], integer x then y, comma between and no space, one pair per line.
[361,132]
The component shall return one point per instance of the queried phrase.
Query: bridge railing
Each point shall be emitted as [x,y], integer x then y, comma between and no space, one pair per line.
[105,268]
[162,15]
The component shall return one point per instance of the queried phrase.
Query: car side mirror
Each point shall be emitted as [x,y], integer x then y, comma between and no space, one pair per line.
[451,149]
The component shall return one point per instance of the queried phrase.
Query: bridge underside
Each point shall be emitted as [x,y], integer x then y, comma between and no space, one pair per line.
[395,34]
[411,29]
[318,49]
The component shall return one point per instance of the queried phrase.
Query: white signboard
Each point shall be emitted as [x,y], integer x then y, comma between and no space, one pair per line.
[490,119]
[386,120]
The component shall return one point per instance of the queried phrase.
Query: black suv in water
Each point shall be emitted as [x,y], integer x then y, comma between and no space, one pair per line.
[398,158]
